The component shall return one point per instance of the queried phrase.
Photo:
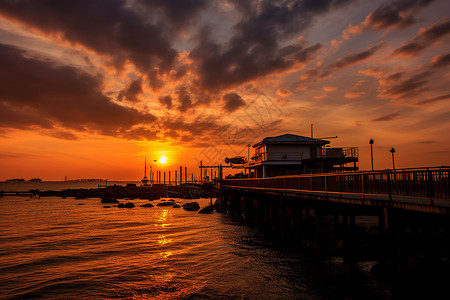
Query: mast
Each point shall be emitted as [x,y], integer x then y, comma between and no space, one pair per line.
[145,167]
[145,179]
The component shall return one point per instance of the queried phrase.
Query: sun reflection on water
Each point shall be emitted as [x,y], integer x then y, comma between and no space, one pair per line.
[162,240]
[163,219]
[166,254]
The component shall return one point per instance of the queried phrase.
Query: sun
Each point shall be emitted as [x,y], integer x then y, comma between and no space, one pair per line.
[163,160]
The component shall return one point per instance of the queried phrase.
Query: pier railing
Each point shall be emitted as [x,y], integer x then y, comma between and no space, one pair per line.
[422,183]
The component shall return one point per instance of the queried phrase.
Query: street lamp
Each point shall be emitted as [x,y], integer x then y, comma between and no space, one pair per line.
[371,152]
[392,151]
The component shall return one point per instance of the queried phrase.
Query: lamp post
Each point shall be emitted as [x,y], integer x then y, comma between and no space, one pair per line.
[392,151]
[371,152]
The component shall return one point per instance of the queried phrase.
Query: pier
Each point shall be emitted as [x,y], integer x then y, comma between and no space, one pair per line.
[411,208]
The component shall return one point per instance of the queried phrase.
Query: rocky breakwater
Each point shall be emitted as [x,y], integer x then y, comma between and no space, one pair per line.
[186,191]
[111,192]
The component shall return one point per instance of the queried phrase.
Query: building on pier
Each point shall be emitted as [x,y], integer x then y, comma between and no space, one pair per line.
[291,154]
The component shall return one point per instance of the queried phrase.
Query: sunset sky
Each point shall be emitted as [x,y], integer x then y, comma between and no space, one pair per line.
[90,87]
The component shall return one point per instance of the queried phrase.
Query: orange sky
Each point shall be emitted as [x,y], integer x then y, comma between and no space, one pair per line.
[89,88]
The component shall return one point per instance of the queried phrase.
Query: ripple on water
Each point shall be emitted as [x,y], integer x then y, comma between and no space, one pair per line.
[54,249]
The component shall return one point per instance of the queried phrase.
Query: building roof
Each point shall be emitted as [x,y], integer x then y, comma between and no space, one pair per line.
[290,139]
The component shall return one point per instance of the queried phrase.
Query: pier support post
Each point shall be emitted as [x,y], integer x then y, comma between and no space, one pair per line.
[267,211]
[249,208]
[298,221]
[236,204]
[394,246]
[345,235]
[224,200]
[351,236]
[319,230]
[284,220]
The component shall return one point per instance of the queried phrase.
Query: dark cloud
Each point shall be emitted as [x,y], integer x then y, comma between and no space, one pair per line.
[12,116]
[232,102]
[144,32]
[166,101]
[255,49]
[434,99]
[196,129]
[410,49]
[388,117]
[353,58]
[440,61]
[132,91]
[439,152]
[141,33]
[394,77]
[345,61]
[412,86]
[41,93]
[395,14]
[178,14]
[425,38]
[64,135]
[221,66]
[142,133]
[184,99]
[428,142]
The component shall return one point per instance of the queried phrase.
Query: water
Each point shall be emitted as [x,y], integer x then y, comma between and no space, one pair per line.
[53,248]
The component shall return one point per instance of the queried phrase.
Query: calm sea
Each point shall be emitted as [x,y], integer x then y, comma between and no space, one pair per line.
[53,248]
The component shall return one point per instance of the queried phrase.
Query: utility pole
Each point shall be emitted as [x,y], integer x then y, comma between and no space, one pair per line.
[371,152]
[392,151]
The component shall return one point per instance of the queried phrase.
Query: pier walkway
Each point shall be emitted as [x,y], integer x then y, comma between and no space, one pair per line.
[410,211]
[425,190]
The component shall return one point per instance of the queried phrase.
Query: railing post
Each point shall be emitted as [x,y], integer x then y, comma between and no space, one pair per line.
[389,185]
[430,192]
[362,186]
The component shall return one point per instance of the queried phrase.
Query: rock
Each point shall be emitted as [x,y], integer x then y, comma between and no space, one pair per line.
[176,206]
[106,206]
[207,210]
[381,271]
[147,205]
[109,200]
[126,205]
[164,204]
[192,206]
